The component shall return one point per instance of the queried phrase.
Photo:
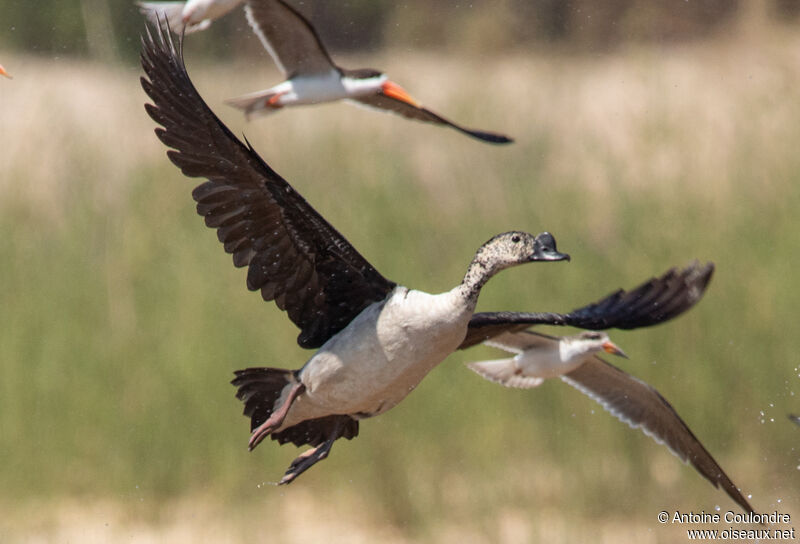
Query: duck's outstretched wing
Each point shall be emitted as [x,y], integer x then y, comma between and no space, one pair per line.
[641,406]
[293,255]
[654,301]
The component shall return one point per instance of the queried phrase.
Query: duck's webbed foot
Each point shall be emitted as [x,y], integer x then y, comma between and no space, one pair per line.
[308,458]
[275,420]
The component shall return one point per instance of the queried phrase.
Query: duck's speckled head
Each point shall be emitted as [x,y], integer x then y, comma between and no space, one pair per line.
[507,250]
[515,247]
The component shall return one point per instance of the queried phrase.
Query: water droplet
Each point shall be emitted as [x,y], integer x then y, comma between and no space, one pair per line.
[717,508]
[749,495]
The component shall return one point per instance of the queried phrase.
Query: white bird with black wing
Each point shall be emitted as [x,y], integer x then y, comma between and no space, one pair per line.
[539,357]
[313,78]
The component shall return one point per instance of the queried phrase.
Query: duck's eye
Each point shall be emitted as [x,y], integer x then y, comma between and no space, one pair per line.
[515,238]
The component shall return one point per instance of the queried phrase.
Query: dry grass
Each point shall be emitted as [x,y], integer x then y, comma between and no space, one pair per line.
[305,517]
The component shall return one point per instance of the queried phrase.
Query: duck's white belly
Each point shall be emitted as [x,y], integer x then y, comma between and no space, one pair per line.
[381,356]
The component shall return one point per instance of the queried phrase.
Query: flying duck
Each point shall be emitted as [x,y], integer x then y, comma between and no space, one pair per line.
[4,73]
[188,17]
[245,199]
[312,76]
[654,301]
[376,340]
[572,358]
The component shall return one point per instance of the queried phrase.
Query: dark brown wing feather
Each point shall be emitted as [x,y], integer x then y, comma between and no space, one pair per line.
[293,255]
[654,301]
[409,111]
[316,431]
[259,388]
[288,37]
[641,406]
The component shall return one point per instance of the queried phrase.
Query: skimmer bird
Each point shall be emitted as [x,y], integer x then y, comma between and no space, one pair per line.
[312,76]
[539,357]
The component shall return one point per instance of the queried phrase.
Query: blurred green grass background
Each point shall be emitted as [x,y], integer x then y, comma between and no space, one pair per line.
[122,318]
